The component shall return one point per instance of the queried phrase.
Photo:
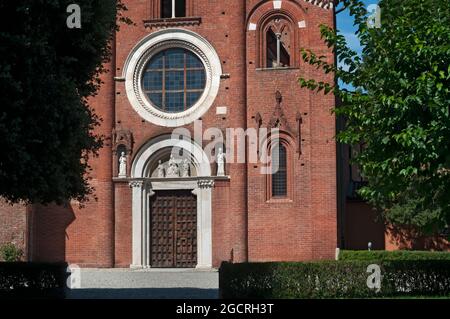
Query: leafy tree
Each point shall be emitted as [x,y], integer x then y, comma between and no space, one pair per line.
[47,73]
[398,107]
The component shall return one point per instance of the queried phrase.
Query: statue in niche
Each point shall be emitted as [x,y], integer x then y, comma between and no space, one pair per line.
[185,169]
[123,166]
[173,171]
[220,163]
[161,170]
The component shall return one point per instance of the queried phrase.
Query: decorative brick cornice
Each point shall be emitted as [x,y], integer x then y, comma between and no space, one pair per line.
[326,4]
[172,22]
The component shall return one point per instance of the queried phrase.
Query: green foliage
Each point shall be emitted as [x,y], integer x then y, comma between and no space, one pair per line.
[343,279]
[398,107]
[10,253]
[47,74]
[382,255]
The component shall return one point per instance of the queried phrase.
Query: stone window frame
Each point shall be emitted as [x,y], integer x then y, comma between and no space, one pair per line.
[155,43]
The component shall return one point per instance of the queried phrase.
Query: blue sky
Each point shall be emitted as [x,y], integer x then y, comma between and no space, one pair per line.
[345,25]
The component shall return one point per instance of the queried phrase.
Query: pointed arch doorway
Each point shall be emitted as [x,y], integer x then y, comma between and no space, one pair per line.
[172,213]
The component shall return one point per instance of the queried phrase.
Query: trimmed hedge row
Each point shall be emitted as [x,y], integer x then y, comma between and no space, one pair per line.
[392,255]
[346,279]
[33,280]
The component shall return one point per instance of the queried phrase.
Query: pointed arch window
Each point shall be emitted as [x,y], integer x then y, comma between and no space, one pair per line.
[279,186]
[279,171]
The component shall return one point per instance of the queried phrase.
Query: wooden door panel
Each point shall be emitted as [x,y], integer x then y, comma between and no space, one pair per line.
[173,230]
[186,232]
[162,234]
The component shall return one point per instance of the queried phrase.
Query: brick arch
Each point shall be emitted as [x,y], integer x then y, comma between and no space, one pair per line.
[282,136]
[264,13]
[263,28]
[264,6]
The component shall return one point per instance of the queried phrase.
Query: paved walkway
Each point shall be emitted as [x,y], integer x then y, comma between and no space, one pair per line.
[146,284]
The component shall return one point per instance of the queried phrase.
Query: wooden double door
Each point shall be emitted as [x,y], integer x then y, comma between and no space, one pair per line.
[173,218]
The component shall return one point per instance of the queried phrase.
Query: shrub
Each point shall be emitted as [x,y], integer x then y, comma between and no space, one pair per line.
[381,255]
[10,253]
[345,279]
[32,280]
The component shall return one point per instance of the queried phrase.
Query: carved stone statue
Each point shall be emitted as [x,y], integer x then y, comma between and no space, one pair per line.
[173,171]
[185,169]
[220,163]
[123,166]
[161,170]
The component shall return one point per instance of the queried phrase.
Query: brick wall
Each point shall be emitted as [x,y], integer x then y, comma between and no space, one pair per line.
[304,226]
[13,221]
[245,226]
[222,25]
[247,223]
[83,235]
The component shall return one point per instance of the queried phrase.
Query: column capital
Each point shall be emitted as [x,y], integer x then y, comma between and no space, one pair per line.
[136,184]
[206,183]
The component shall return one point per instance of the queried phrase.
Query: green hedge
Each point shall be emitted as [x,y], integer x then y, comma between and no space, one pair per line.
[381,255]
[344,279]
[33,280]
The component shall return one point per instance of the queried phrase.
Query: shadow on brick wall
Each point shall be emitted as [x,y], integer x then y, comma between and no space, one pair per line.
[398,238]
[48,232]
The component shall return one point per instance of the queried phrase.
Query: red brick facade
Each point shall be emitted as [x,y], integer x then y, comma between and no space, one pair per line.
[319,211]
[247,224]
[302,227]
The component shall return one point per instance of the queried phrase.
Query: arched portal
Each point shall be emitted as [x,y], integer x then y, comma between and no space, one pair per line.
[148,186]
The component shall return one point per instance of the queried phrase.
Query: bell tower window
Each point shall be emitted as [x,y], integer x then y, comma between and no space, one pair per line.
[277,50]
[277,39]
